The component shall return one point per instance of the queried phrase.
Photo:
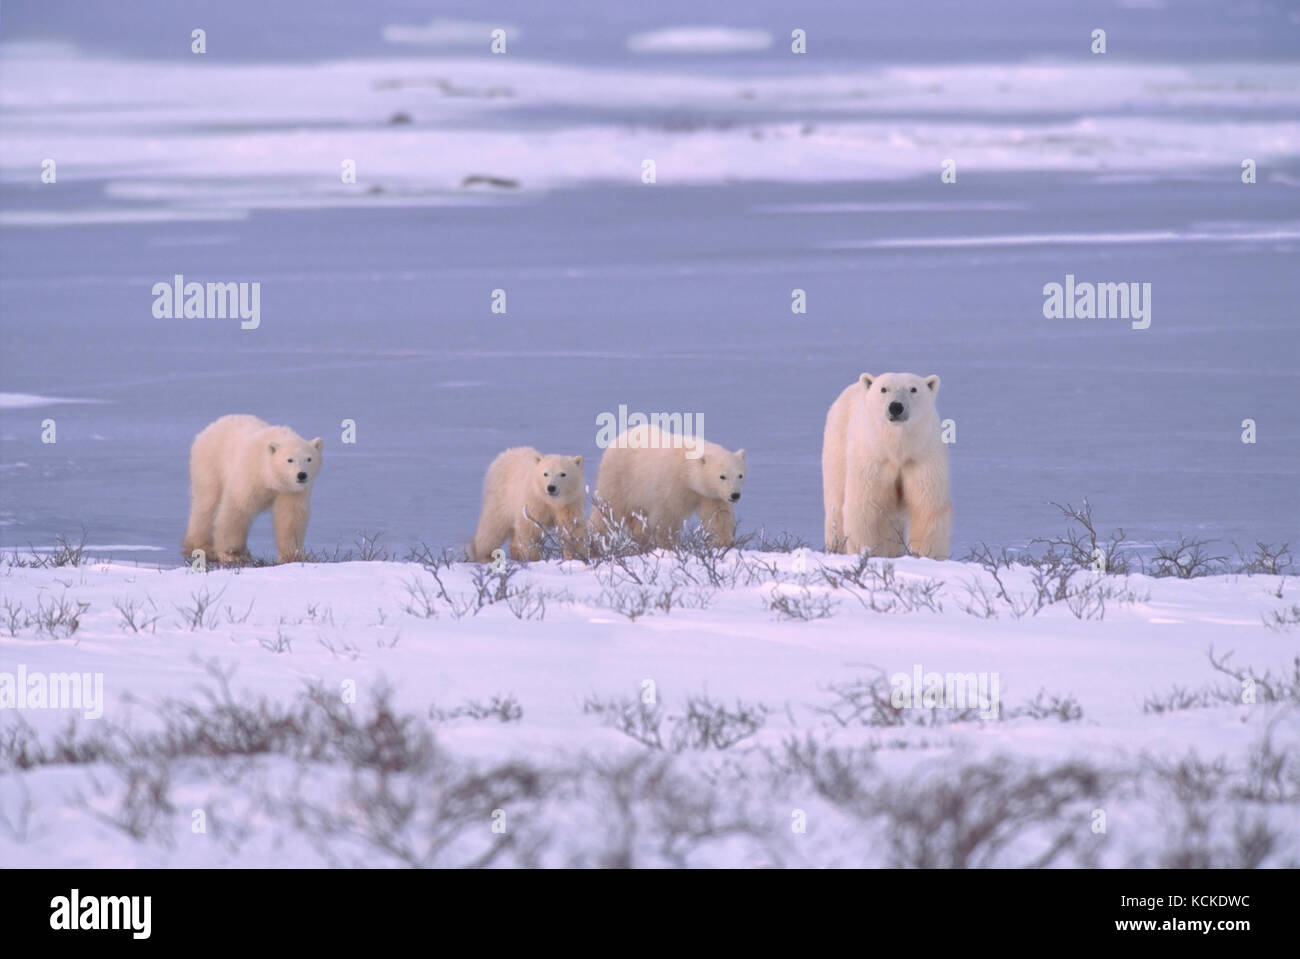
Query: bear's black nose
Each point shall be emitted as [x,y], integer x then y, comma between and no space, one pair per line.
[550,488]
[895,408]
[735,496]
[302,477]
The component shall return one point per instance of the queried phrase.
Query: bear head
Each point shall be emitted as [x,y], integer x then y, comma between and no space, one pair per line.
[294,461]
[717,473]
[559,477]
[901,400]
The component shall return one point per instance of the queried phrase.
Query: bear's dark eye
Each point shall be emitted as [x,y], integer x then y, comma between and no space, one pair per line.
[546,474]
[914,389]
[562,475]
[290,459]
[882,389]
[741,476]
[721,477]
[308,459]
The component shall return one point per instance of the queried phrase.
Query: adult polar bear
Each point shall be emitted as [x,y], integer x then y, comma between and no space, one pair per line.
[885,469]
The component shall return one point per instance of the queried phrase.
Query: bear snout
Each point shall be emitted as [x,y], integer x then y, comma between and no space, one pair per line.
[735,497]
[551,488]
[302,477]
[895,410]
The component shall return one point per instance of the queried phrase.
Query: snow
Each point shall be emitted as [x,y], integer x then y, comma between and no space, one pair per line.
[27,401]
[272,630]
[205,144]
[699,40]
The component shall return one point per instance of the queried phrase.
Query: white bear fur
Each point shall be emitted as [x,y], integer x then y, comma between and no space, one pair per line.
[885,481]
[241,466]
[517,504]
[648,483]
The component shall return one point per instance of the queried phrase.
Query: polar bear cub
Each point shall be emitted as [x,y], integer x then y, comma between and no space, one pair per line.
[241,466]
[885,469]
[526,493]
[652,481]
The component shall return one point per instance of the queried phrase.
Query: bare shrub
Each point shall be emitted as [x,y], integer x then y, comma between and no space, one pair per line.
[58,618]
[504,709]
[764,542]
[66,553]
[803,605]
[878,588]
[369,550]
[1266,688]
[280,644]
[708,724]
[1180,698]
[1283,619]
[993,563]
[632,717]
[979,601]
[1088,599]
[652,813]
[705,724]
[972,817]
[145,808]
[1186,559]
[1045,706]
[420,601]
[869,701]
[976,814]
[527,603]
[1081,547]
[202,613]
[1267,560]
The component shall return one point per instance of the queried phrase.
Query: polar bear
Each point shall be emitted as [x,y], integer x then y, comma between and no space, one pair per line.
[526,493]
[241,466]
[885,469]
[652,481]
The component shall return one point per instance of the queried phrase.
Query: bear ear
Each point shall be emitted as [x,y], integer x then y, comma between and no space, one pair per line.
[537,459]
[318,443]
[866,379]
[577,461]
[933,383]
[741,454]
[273,448]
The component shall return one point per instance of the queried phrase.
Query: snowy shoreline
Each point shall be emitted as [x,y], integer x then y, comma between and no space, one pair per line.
[298,709]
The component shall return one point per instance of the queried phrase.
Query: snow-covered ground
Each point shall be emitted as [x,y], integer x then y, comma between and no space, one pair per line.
[657,710]
[206,143]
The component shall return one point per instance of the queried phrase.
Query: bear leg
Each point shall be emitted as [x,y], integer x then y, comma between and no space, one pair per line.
[836,541]
[205,496]
[230,532]
[661,532]
[719,520]
[492,531]
[833,482]
[868,526]
[526,540]
[931,532]
[638,529]
[925,494]
[573,533]
[289,515]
